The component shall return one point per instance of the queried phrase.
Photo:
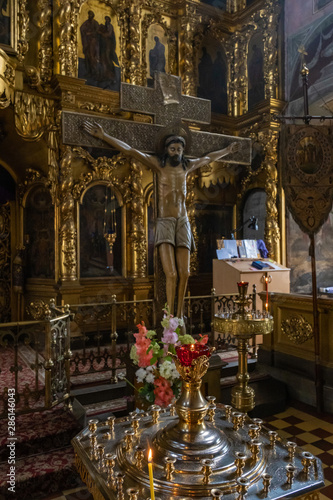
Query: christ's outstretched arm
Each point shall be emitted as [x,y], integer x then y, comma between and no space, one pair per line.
[96,130]
[213,156]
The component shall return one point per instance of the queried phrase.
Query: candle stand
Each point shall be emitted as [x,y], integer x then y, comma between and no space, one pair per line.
[200,449]
[243,324]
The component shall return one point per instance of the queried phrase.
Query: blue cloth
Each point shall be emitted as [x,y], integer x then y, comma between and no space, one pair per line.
[262,249]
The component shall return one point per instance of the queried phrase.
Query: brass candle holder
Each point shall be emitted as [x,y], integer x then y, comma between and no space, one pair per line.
[243,324]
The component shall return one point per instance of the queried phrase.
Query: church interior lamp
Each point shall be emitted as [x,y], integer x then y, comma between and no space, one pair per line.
[110,223]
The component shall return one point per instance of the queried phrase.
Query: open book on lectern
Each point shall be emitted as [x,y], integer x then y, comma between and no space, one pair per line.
[234,249]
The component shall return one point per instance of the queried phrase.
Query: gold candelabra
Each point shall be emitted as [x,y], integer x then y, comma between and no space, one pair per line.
[205,450]
[244,324]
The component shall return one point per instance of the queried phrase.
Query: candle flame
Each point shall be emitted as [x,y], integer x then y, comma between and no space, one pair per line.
[150,455]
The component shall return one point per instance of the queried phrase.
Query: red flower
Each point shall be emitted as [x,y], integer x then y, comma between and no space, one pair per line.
[203,340]
[163,392]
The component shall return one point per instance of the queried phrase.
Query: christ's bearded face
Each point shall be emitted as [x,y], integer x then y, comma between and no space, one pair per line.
[175,153]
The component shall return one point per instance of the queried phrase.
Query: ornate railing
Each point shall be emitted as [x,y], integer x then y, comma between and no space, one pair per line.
[35,362]
[102,334]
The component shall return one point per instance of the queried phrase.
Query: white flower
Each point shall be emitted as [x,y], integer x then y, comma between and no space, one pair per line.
[150,377]
[140,375]
[169,371]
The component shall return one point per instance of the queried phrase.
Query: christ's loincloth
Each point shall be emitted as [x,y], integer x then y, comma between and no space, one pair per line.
[177,232]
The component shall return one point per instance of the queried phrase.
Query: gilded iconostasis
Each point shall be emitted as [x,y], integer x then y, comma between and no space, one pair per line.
[79,220]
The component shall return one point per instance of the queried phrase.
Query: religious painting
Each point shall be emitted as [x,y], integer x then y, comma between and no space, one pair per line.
[8,9]
[298,258]
[100,215]
[98,46]
[39,234]
[157,52]
[212,75]
[320,4]
[255,69]
[318,46]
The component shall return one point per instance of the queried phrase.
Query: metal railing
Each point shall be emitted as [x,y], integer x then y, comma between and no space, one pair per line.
[35,362]
[100,336]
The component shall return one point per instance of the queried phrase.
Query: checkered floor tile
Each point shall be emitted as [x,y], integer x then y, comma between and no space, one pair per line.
[313,432]
[299,423]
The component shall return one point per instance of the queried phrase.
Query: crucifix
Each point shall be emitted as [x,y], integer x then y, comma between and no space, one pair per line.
[170,139]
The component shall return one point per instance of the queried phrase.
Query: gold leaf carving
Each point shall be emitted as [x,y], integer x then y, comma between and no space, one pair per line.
[297,329]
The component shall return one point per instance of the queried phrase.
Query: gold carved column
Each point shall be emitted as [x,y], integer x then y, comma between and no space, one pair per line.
[189,23]
[23,26]
[45,53]
[67,35]
[67,227]
[269,139]
[134,44]
[137,234]
[270,33]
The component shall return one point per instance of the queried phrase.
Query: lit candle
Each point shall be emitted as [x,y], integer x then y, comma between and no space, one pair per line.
[151,479]
[266,281]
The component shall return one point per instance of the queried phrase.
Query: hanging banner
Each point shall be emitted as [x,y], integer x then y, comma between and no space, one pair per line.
[307,174]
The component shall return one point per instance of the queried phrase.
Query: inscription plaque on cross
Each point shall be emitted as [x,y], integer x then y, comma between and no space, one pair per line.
[167,105]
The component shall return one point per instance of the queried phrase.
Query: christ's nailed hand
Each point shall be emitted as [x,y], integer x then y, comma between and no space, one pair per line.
[234,147]
[93,129]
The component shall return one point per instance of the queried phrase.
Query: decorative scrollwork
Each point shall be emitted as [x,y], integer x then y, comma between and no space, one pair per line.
[103,169]
[33,115]
[297,329]
[39,310]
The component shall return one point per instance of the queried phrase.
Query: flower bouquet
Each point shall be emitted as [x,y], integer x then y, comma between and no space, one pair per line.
[157,374]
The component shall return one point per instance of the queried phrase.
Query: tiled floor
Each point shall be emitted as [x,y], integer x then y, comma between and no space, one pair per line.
[299,423]
[311,431]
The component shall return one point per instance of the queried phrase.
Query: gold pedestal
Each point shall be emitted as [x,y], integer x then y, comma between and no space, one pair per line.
[243,325]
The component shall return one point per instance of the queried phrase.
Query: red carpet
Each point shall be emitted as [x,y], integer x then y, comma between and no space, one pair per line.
[44,457]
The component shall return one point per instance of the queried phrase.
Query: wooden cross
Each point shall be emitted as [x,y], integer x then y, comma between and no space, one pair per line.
[167,104]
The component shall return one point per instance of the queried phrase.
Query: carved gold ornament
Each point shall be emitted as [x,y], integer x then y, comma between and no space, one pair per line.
[297,329]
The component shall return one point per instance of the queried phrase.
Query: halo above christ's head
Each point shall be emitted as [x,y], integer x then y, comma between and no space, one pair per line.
[173,132]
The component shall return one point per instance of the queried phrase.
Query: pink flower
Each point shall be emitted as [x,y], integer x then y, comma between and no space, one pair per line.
[173,323]
[142,329]
[203,340]
[163,392]
[169,337]
[142,344]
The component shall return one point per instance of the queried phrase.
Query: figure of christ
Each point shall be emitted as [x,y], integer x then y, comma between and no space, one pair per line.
[173,235]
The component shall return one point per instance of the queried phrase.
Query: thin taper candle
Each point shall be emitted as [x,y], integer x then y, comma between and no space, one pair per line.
[151,478]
